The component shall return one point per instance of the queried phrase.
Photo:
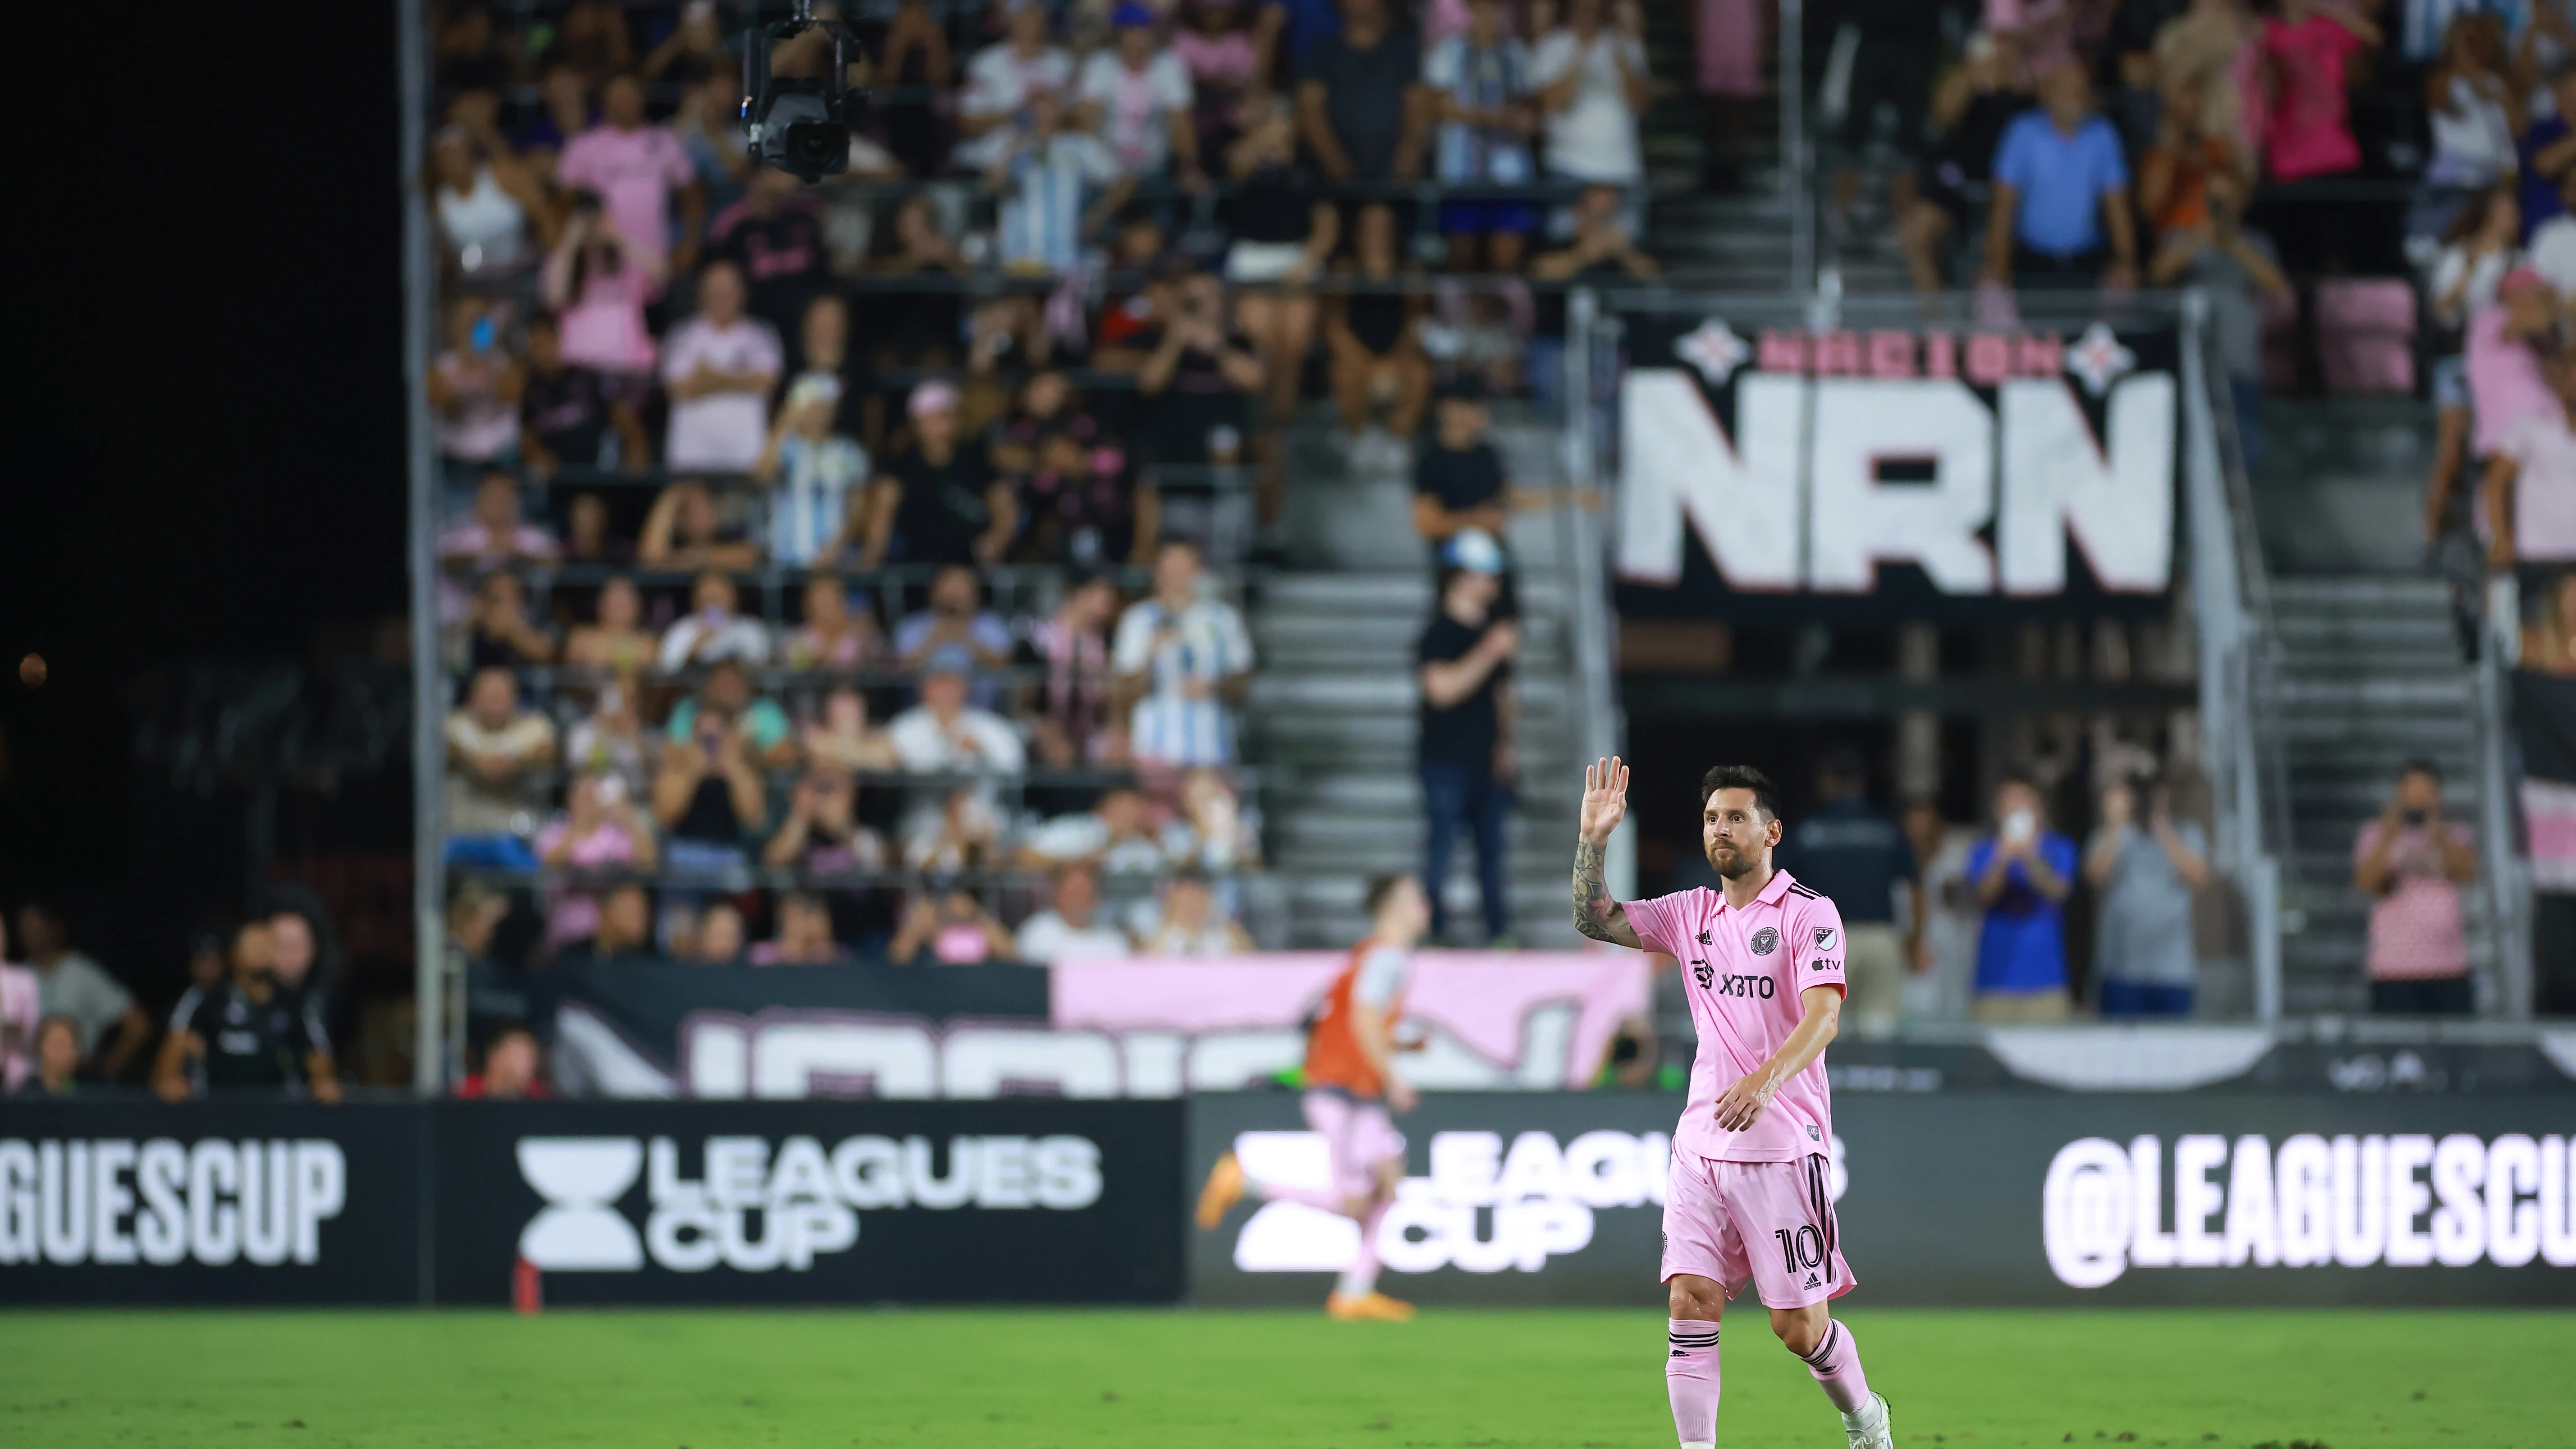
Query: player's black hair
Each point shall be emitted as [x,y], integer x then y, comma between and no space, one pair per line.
[1766,796]
[1379,888]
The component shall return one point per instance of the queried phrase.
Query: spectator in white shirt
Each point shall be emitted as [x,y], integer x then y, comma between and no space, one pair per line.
[713,629]
[494,746]
[1181,660]
[945,733]
[1192,925]
[1110,836]
[1001,79]
[69,983]
[718,369]
[1071,928]
[1136,95]
[1591,79]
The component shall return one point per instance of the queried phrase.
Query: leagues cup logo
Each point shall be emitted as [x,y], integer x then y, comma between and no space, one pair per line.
[1765,941]
[581,1178]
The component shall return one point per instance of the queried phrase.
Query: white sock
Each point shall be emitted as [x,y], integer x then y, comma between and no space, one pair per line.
[1869,1417]
[1357,1281]
[1702,1444]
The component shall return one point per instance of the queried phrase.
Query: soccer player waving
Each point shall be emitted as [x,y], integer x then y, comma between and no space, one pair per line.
[1750,1192]
[1350,1084]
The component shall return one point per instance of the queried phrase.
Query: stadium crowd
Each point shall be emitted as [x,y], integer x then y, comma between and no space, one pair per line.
[847,572]
[853,572]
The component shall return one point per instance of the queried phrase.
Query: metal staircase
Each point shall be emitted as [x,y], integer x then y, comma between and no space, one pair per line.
[2368,676]
[1332,711]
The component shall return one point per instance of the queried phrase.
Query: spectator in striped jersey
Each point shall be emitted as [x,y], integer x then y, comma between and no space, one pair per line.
[1182,661]
[816,476]
[1057,187]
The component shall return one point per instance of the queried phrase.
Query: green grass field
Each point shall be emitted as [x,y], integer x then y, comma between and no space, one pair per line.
[1009,1379]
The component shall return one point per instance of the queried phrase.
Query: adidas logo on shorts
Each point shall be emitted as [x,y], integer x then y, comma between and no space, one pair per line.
[1811,1280]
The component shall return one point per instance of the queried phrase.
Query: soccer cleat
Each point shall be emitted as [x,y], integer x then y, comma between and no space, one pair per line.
[1224,1189]
[1363,1307]
[1872,1436]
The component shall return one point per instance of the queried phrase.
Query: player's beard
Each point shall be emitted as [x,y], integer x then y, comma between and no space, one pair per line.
[1731,862]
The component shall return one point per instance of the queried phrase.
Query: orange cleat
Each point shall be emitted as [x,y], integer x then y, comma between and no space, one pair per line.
[1224,1189]
[1365,1307]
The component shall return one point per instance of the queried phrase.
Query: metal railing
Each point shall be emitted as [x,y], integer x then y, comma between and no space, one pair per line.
[2231,599]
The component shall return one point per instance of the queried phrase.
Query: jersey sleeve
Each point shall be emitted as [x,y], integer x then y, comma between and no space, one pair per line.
[1659,922]
[1382,973]
[1816,953]
[183,1017]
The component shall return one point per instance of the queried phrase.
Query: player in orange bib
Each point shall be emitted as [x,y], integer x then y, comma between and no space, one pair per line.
[1350,1087]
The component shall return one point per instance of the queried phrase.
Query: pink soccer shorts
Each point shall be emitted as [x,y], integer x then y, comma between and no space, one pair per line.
[1360,1134]
[1769,1223]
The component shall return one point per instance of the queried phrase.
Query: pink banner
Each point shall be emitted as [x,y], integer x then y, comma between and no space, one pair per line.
[1528,1018]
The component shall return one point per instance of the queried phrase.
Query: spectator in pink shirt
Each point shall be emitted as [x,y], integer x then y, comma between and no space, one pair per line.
[2505,377]
[495,536]
[636,168]
[598,286]
[719,369]
[18,1014]
[2308,46]
[600,829]
[2411,863]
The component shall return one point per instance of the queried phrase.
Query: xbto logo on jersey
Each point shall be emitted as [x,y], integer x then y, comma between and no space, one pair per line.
[1765,941]
[1745,986]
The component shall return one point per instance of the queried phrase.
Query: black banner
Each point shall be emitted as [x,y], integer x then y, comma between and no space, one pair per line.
[1023,1200]
[1954,1198]
[1772,475]
[278,1202]
[636,1030]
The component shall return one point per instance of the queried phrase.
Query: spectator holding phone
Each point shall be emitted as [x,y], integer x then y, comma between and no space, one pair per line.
[599,830]
[474,387]
[2146,865]
[714,630]
[2022,875]
[2410,864]
[598,286]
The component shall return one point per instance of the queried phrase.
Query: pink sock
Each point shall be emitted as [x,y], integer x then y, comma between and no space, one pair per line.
[1690,1377]
[1836,1365]
[1361,1276]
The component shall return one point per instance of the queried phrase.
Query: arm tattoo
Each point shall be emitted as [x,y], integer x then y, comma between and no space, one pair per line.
[1595,914]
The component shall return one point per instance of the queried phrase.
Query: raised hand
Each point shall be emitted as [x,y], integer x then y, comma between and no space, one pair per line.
[1605,804]
[1605,801]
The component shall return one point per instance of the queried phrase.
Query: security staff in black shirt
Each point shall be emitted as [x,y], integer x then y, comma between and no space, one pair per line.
[1468,719]
[246,1036]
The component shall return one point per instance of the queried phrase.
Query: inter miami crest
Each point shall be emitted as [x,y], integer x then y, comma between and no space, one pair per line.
[1765,941]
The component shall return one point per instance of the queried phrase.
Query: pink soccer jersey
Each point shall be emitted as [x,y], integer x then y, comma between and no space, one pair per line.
[1744,971]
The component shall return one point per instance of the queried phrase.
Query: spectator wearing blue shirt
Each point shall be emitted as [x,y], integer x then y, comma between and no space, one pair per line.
[1851,852]
[2060,215]
[2022,875]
